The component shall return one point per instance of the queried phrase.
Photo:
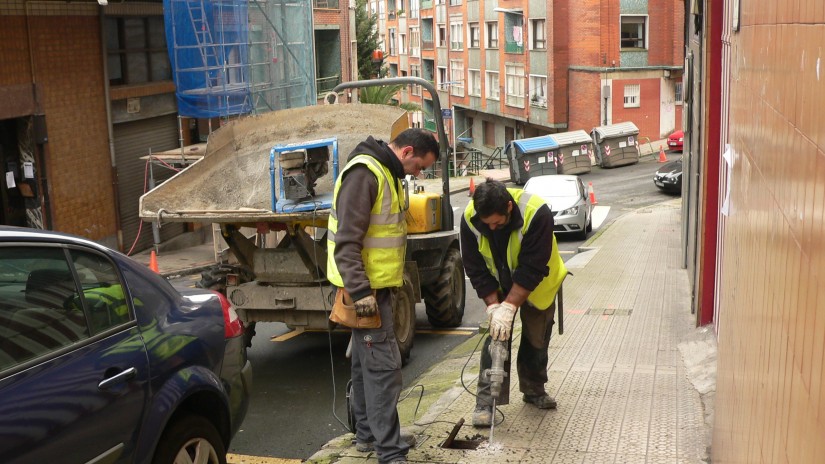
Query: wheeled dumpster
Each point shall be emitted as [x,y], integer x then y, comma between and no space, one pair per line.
[573,153]
[531,157]
[616,145]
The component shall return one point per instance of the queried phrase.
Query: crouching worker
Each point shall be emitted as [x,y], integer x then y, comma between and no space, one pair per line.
[510,255]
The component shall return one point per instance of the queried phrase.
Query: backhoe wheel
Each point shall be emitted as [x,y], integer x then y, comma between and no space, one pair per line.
[403,317]
[445,297]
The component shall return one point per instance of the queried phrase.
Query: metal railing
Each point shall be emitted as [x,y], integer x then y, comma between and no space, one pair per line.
[325,84]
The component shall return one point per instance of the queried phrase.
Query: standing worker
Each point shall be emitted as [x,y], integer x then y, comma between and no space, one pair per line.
[511,258]
[366,251]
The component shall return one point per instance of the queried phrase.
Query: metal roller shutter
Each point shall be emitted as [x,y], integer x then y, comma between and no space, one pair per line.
[132,141]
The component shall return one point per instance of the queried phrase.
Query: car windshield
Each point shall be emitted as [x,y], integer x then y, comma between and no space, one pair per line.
[553,188]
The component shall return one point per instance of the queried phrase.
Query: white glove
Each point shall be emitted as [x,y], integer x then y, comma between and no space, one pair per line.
[501,321]
[366,307]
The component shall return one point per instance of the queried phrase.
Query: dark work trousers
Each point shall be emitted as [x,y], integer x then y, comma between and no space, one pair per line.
[531,363]
[376,384]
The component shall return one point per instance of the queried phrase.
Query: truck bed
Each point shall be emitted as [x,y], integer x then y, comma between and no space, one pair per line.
[231,183]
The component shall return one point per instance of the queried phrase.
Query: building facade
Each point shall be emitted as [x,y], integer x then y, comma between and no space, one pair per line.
[513,69]
[87,93]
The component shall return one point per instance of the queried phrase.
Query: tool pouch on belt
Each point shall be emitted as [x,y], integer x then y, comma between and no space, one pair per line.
[343,312]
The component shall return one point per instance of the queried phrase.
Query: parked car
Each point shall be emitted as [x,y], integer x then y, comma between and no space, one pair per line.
[669,177]
[568,200]
[102,360]
[676,140]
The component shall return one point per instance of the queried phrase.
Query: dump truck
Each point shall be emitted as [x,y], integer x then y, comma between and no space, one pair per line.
[275,173]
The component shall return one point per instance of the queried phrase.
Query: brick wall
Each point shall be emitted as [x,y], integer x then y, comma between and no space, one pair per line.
[584,100]
[646,116]
[68,70]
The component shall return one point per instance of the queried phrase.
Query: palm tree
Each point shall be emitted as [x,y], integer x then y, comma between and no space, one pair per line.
[384,95]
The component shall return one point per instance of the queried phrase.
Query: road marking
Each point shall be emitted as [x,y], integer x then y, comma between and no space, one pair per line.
[468,332]
[241,459]
[567,252]
[598,215]
[287,336]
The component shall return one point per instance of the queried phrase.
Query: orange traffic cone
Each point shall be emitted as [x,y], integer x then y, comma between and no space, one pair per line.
[591,193]
[153,262]
[662,155]
[472,187]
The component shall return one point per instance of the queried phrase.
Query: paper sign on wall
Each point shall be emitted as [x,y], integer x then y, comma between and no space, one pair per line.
[10,180]
[28,170]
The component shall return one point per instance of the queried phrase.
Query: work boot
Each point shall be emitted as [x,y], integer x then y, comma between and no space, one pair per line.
[483,416]
[543,401]
[406,437]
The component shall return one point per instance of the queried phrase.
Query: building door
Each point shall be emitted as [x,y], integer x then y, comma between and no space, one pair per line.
[15,188]
[133,141]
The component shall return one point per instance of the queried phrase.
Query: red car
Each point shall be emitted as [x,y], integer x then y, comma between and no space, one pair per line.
[676,140]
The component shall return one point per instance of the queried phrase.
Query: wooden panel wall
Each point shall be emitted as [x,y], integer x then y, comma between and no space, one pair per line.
[770,404]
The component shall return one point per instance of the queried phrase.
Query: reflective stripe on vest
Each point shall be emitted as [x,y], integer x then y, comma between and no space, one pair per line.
[384,245]
[544,294]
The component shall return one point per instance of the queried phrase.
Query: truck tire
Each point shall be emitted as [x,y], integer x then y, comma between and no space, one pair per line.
[445,297]
[403,317]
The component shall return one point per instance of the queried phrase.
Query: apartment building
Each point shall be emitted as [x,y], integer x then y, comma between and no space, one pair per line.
[511,69]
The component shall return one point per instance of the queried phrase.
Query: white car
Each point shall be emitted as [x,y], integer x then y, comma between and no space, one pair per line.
[568,200]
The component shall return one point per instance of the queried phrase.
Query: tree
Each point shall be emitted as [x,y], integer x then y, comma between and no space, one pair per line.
[383,95]
[366,34]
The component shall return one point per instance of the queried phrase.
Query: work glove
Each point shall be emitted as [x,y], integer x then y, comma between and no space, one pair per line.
[366,307]
[501,321]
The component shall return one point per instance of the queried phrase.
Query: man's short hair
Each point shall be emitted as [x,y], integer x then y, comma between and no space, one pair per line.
[422,141]
[491,197]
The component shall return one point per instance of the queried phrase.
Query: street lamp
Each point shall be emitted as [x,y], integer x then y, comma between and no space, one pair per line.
[446,87]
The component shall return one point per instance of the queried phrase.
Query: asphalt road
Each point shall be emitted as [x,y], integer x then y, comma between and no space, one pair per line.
[300,382]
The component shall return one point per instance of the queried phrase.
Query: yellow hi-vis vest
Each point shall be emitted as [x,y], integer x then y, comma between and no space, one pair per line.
[385,243]
[528,204]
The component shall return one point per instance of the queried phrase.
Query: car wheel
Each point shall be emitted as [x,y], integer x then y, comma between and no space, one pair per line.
[403,317]
[190,439]
[445,297]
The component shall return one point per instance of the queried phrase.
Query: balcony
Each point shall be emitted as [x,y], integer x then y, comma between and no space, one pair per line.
[425,4]
[514,47]
[325,4]
[326,84]
[428,45]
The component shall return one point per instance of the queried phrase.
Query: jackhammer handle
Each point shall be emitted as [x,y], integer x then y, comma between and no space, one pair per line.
[560,308]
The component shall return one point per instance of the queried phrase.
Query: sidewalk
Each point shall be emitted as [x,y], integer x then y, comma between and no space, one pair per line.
[619,373]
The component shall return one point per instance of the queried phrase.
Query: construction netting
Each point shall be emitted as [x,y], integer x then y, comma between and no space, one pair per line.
[233,57]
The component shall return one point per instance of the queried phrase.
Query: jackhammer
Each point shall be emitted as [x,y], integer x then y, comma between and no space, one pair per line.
[499,352]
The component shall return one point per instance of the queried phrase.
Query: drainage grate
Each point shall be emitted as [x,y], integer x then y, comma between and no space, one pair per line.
[609,312]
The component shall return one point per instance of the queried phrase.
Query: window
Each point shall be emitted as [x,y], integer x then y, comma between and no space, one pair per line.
[492,85]
[678,93]
[457,78]
[427,33]
[539,34]
[634,32]
[538,91]
[513,33]
[393,70]
[456,36]
[415,71]
[393,42]
[442,35]
[402,44]
[136,50]
[489,130]
[442,78]
[103,295]
[631,96]
[475,35]
[415,6]
[514,85]
[474,88]
[415,42]
[455,2]
[492,34]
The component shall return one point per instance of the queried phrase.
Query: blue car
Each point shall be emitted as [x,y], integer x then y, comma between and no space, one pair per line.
[102,360]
